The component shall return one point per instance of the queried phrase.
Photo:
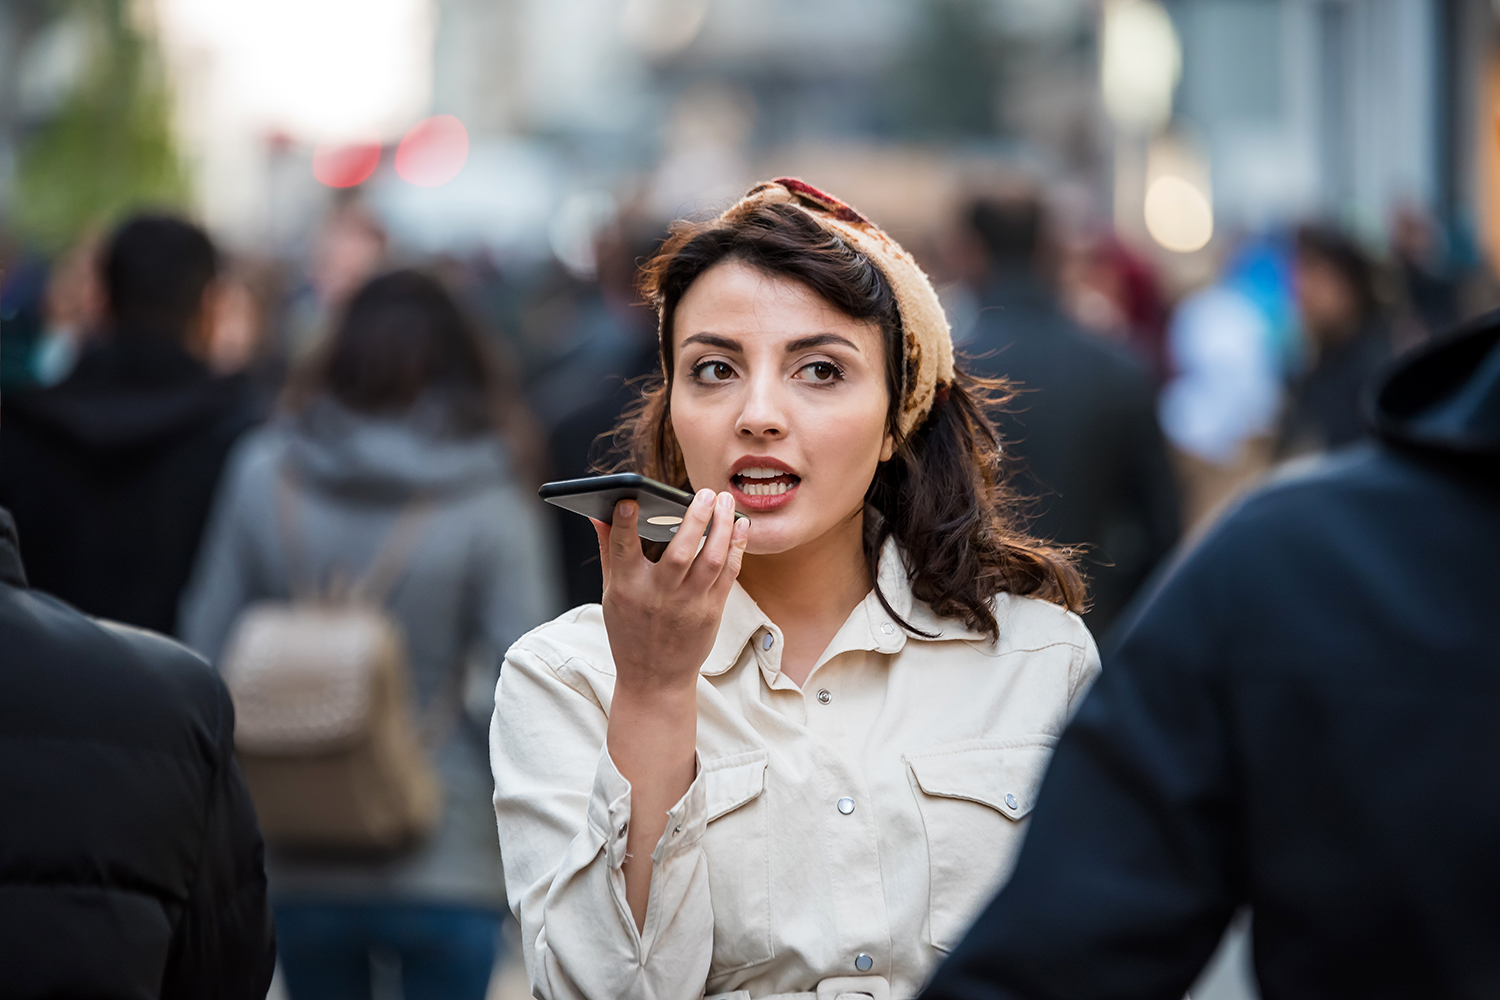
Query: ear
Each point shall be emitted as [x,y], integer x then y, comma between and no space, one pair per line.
[888,448]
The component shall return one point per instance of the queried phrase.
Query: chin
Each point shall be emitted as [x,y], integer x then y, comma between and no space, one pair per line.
[768,538]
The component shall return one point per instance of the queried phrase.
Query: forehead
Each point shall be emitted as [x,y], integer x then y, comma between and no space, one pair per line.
[742,302]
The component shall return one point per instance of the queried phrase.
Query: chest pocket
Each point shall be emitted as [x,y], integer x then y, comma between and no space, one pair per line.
[974,797]
[737,844]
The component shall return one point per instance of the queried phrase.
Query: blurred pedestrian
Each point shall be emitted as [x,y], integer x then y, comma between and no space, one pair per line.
[130,862]
[1083,429]
[400,407]
[599,392]
[1347,336]
[110,473]
[1301,720]
[1113,291]
[1227,347]
[797,761]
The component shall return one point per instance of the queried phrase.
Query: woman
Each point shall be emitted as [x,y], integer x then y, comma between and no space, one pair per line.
[796,761]
[400,406]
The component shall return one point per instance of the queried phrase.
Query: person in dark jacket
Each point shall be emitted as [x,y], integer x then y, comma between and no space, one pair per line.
[1302,719]
[110,474]
[130,861]
[1347,335]
[1083,429]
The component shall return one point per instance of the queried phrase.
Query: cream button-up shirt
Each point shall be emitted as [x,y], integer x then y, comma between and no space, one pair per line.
[839,836]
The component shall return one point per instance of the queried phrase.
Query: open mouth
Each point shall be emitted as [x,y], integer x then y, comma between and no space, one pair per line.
[764,482]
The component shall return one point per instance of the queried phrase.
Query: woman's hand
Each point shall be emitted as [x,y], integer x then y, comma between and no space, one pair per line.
[662,617]
[662,620]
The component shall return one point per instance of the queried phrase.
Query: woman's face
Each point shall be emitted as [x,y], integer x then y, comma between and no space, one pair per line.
[780,399]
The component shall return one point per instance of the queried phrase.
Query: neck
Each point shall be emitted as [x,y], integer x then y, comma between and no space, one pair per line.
[809,591]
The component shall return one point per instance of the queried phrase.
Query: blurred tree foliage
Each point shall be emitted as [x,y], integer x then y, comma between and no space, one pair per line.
[109,147]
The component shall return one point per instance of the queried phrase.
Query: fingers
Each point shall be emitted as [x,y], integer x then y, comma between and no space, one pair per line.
[624,538]
[715,551]
[739,540]
[682,550]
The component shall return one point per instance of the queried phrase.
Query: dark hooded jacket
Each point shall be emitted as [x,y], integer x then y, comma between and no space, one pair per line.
[1303,718]
[110,474]
[130,862]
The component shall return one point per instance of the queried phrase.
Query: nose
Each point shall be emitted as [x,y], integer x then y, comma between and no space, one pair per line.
[764,412]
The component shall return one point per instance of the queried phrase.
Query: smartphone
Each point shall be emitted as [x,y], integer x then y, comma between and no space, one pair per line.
[662,507]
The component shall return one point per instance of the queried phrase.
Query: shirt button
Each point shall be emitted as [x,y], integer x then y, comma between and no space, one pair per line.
[846,805]
[767,641]
[824,697]
[862,962]
[1010,800]
[622,828]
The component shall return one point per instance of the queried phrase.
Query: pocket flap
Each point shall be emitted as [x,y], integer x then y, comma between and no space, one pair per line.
[730,782]
[1002,775]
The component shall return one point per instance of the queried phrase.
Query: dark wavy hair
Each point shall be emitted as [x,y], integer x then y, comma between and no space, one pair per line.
[943,495]
[403,336]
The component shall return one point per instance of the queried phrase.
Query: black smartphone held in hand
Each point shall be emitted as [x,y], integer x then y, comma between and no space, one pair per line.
[662,506]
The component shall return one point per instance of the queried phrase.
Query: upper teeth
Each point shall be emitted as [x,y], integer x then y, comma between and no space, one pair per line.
[759,473]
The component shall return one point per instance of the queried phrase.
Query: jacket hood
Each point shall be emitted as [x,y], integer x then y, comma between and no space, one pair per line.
[344,452]
[130,393]
[1444,398]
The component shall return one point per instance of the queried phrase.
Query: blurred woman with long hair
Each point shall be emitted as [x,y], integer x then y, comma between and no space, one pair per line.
[401,406]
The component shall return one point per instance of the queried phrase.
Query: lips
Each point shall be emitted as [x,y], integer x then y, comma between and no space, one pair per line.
[761,483]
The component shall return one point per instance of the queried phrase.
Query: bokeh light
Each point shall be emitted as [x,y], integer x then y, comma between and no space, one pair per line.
[433,151]
[345,165]
[1140,64]
[1178,214]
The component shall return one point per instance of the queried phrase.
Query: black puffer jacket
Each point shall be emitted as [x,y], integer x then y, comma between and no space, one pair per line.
[130,862]
[1304,718]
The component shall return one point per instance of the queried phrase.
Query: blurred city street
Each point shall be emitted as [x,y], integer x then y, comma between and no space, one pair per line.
[1190,232]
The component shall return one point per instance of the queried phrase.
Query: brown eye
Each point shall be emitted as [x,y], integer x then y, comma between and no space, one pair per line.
[713,371]
[822,371]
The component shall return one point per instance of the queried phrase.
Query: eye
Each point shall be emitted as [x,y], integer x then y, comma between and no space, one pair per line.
[821,371]
[713,371]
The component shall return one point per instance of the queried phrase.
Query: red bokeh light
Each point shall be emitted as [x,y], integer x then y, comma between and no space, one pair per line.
[344,166]
[433,151]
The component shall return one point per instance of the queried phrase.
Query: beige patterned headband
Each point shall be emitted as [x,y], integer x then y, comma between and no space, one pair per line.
[929,344]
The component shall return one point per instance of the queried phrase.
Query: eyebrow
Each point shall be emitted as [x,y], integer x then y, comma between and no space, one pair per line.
[800,344]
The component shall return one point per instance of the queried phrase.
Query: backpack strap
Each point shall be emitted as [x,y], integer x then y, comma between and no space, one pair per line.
[390,560]
[385,569]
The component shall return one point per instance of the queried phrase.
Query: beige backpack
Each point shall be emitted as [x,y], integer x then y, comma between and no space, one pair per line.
[325,730]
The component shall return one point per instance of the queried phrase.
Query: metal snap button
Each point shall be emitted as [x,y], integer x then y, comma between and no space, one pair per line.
[824,697]
[862,962]
[1010,800]
[622,828]
[767,641]
[846,805]
[888,628]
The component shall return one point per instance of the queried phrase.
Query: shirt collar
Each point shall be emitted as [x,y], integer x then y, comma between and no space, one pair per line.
[868,627]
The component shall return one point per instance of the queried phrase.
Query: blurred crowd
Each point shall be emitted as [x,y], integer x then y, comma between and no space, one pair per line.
[186,434]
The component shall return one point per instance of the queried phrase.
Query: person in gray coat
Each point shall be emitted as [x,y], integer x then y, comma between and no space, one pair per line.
[401,406]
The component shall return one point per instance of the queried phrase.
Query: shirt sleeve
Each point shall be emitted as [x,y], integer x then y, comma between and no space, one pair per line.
[564,811]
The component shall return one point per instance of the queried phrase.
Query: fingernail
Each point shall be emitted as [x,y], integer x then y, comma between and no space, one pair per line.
[725,501]
[627,508]
[705,496]
[741,529]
